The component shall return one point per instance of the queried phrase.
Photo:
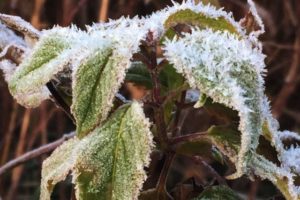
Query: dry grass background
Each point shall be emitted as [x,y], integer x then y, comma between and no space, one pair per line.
[24,129]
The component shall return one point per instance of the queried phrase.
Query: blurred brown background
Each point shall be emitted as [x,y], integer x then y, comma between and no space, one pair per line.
[22,130]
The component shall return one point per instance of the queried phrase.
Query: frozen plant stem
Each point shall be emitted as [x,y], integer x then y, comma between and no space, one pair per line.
[161,185]
[34,153]
[59,100]
[149,58]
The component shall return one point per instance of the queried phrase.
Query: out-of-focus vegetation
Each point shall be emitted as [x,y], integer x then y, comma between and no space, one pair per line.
[22,129]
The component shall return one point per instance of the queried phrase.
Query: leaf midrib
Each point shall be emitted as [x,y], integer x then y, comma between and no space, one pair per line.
[116,153]
[93,93]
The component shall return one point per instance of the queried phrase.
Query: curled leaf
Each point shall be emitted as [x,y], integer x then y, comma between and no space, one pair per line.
[214,63]
[47,58]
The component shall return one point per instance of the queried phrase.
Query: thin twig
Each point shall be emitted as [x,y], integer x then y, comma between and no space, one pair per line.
[253,189]
[161,184]
[210,169]
[35,18]
[59,100]
[17,172]
[103,10]
[189,137]
[9,134]
[72,14]
[35,153]
[290,82]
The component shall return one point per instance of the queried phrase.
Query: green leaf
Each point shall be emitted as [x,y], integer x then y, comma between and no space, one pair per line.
[94,85]
[111,160]
[211,62]
[218,193]
[139,74]
[108,163]
[47,58]
[226,139]
[200,20]
[170,79]
[56,167]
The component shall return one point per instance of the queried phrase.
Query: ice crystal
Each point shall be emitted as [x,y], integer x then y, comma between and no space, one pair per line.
[218,57]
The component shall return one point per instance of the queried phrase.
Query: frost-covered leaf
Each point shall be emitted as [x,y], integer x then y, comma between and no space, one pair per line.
[218,192]
[93,82]
[47,58]
[200,20]
[56,167]
[111,160]
[229,71]
[99,75]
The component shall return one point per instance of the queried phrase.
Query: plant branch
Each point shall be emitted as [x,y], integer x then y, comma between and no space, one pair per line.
[149,58]
[211,170]
[59,100]
[35,153]
[161,184]
[103,10]
[290,81]
[189,137]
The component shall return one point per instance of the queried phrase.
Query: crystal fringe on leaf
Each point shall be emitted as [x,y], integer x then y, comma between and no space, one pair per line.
[106,164]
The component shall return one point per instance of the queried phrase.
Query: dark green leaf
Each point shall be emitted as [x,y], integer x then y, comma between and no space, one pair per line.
[218,193]
[200,20]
